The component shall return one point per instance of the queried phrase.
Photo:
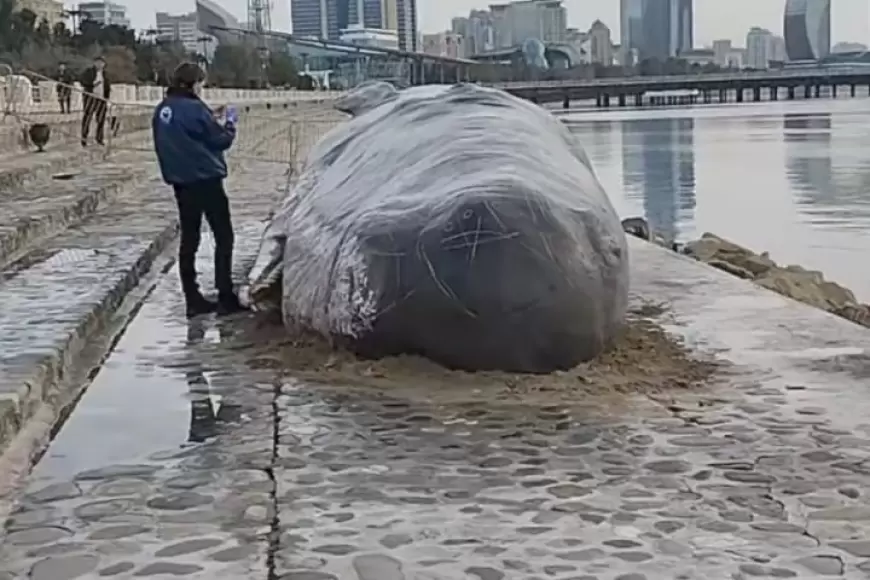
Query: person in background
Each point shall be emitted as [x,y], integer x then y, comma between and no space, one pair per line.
[65,82]
[97,89]
[190,143]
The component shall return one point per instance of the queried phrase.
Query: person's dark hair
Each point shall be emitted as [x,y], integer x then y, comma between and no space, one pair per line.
[100,59]
[186,75]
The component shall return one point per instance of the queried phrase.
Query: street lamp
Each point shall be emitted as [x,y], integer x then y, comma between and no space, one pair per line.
[152,34]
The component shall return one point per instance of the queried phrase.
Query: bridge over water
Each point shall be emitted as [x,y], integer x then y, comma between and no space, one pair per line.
[722,86]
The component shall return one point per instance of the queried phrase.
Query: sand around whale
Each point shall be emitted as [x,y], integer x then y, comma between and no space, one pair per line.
[454,222]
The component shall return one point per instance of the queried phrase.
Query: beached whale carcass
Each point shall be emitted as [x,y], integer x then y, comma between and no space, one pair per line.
[455,222]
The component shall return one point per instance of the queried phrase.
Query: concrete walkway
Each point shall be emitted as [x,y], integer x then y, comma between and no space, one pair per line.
[193,455]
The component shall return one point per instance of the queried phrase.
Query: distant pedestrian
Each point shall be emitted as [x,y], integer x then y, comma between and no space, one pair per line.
[97,89]
[190,144]
[65,82]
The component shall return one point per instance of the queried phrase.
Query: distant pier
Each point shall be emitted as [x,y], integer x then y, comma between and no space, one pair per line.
[736,87]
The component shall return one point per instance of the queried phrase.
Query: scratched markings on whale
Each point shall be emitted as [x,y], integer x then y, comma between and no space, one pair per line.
[455,222]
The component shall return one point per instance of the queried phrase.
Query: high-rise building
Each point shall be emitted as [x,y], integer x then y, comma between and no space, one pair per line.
[181,28]
[721,48]
[807,26]
[600,44]
[658,29]
[105,13]
[328,18]
[517,22]
[759,48]
[631,31]
[406,14]
[480,36]
[311,18]
[477,31]
[50,10]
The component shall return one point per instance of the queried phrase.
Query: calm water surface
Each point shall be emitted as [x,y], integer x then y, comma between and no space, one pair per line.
[790,178]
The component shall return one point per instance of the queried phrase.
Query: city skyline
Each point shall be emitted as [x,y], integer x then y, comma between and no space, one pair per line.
[850,19]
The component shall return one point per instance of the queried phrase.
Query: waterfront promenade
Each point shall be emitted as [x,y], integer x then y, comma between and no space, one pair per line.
[198,451]
[221,465]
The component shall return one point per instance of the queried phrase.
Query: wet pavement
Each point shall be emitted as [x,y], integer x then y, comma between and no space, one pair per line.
[89,239]
[192,456]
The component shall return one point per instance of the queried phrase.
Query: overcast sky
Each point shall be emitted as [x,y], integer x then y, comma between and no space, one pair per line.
[713,18]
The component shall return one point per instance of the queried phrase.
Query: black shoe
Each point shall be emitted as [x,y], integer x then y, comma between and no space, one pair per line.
[197,304]
[229,413]
[203,424]
[230,304]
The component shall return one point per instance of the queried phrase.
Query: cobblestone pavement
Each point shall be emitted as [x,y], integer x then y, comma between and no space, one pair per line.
[190,456]
[193,455]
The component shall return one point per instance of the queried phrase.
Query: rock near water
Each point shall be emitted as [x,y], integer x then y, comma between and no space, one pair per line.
[455,222]
[807,286]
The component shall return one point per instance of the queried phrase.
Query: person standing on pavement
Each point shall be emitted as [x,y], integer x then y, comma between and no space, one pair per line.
[97,90]
[190,144]
[65,82]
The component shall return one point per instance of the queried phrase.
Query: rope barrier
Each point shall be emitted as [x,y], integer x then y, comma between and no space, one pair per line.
[288,130]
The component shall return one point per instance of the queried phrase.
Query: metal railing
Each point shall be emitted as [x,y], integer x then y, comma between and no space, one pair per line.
[809,74]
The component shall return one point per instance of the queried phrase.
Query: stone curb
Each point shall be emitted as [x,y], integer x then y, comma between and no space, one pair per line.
[15,410]
[55,161]
[27,231]
[38,383]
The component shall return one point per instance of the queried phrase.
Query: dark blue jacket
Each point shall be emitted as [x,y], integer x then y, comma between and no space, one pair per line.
[190,143]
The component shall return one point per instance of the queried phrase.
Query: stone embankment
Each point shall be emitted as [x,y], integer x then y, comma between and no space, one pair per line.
[79,229]
[807,286]
[795,282]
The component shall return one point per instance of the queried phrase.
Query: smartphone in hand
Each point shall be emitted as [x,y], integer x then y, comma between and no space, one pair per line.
[232,115]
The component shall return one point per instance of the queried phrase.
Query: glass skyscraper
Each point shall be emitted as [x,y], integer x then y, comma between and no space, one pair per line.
[406,13]
[327,18]
[658,29]
[807,27]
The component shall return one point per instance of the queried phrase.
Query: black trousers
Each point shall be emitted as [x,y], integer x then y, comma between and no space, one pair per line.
[64,96]
[195,201]
[94,108]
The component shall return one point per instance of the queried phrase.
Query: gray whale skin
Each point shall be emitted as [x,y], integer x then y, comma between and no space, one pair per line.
[454,222]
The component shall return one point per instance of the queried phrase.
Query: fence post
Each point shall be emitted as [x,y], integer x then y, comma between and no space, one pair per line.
[113,121]
[7,92]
